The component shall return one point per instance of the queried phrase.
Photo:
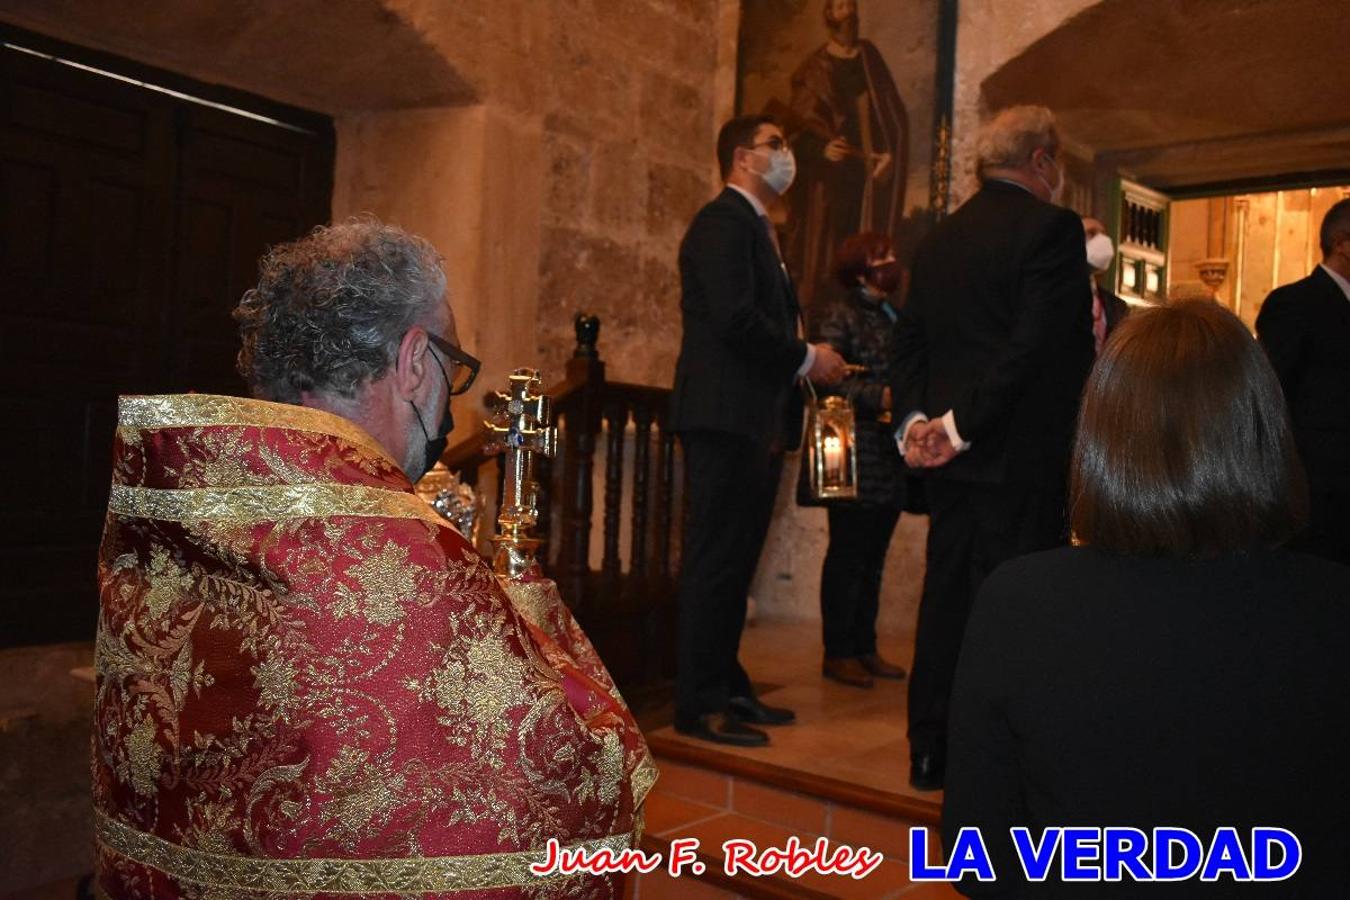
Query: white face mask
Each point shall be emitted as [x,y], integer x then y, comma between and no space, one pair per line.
[1100,252]
[1056,192]
[781,172]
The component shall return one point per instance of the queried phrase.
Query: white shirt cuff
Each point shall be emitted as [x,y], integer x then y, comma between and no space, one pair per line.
[808,362]
[949,423]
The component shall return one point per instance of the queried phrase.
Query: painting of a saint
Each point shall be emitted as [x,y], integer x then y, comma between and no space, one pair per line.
[846,103]
[850,133]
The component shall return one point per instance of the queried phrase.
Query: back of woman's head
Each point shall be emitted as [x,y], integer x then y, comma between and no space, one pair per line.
[1184,446]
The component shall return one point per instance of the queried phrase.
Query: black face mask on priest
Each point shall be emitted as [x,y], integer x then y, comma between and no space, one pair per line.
[435,445]
[466,369]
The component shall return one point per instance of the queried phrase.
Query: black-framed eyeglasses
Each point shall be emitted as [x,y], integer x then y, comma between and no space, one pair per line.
[774,143]
[465,367]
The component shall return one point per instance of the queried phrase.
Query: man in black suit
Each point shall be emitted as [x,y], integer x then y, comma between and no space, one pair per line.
[1107,308]
[995,343]
[1305,328]
[735,408]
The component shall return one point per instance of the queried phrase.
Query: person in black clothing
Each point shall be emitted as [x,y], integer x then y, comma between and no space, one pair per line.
[995,342]
[736,408]
[1177,667]
[1305,328]
[858,324]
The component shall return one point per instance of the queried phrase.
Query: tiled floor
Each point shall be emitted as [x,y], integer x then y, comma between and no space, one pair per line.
[844,733]
[841,732]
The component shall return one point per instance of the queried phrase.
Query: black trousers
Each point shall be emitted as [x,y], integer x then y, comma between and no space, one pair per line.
[973,528]
[850,580]
[731,483]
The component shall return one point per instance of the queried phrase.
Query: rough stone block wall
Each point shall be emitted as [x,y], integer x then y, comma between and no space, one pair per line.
[625,92]
[629,140]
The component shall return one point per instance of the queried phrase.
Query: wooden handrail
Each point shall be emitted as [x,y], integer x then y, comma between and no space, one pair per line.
[627,603]
[467,453]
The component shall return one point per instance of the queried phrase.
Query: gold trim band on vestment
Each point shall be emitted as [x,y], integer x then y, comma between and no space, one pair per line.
[644,778]
[337,876]
[203,410]
[268,503]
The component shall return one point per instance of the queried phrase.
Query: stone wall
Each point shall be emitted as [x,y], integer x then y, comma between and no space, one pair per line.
[989,33]
[553,150]
[618,101]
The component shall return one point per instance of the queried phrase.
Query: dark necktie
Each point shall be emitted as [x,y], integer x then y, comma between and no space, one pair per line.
[799,328]
[773,237]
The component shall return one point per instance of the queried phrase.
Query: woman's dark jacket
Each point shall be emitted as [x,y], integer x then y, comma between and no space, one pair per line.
[860,329]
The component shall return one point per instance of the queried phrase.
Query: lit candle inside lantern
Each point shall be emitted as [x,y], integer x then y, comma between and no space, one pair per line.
[834,459]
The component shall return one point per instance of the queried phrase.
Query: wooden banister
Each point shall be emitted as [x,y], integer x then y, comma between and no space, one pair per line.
[627,606]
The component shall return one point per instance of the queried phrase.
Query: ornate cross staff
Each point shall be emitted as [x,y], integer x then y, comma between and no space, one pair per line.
[520,427]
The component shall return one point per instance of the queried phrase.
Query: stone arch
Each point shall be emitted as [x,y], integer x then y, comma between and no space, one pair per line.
[1185,92]
[335,58]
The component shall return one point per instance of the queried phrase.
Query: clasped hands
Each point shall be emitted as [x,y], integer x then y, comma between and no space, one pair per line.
[927,445]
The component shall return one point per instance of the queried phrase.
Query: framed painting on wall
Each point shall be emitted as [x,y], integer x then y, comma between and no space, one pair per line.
[863,90]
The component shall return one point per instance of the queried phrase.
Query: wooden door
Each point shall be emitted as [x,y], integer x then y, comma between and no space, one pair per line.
[131,222]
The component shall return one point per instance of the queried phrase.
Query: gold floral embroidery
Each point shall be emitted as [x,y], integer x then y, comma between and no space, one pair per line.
[336,876]
[197,410]
[384,581]
[364,791]
[144,755]
[372,685]
[270,503]
[168,582]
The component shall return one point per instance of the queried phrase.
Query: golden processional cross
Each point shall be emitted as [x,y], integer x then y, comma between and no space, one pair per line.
[520,428]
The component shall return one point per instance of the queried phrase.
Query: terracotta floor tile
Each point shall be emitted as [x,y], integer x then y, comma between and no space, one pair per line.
[786,808]
[693,783]
[665,812]
[858,828]
[713,833]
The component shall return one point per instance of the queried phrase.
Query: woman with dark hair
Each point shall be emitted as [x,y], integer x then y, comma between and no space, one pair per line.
[1176,667]
[858,325]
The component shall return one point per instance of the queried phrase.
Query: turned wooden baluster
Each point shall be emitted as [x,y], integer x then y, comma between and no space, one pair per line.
[665,499]
[616,421]
[642,419]
[581,421]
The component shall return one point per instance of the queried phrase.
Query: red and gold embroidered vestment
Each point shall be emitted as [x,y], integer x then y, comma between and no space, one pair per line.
[310,685]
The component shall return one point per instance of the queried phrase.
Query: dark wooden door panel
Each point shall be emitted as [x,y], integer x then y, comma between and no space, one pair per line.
[131,222]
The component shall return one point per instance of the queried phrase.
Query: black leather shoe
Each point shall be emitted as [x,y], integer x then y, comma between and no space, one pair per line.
[721,728]
[927,770]
[749,709]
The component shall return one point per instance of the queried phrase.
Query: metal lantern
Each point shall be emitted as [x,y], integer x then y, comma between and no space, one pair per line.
[832,449]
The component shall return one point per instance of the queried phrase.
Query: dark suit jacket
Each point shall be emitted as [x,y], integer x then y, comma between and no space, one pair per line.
[998,328]
[1103,690]
[1305,328]
[740,352]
